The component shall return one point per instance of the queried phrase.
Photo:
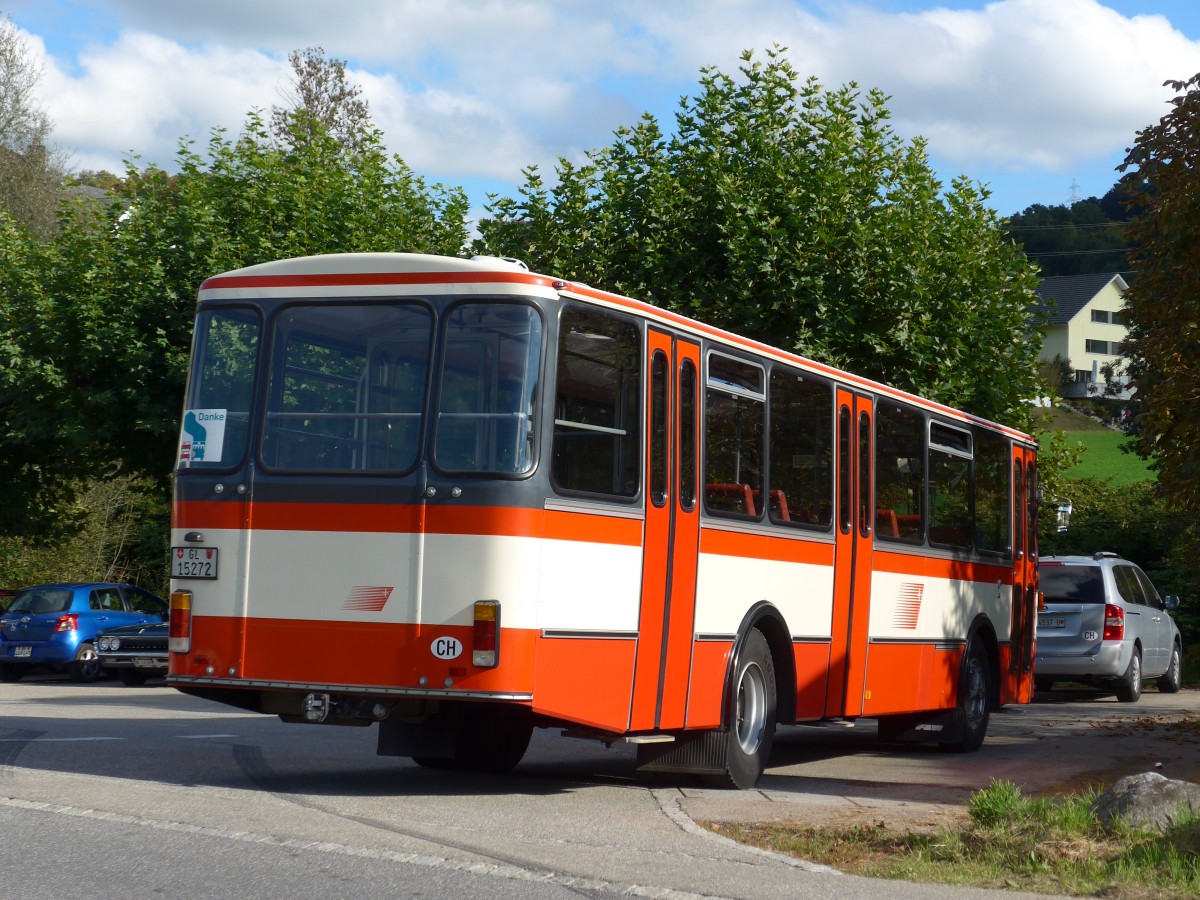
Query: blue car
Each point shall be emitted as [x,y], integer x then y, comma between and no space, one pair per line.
[56,625]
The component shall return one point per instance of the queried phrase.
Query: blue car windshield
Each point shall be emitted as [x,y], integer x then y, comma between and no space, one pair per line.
[38,601]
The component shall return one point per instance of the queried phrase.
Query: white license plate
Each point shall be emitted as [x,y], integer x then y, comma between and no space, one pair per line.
[27,650]
[193,562]
[144,662]
[1051,622]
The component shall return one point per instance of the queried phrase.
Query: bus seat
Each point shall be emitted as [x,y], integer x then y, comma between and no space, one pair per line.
[737,498]
[886,524]
[777,505]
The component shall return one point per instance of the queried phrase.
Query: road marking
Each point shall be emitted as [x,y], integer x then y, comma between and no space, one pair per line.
[44,740]
[199,737]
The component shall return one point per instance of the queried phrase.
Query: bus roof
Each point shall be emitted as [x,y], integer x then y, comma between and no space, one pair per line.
[377,274]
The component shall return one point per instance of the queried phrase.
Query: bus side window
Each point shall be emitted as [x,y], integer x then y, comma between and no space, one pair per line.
[801,467]
[597,432]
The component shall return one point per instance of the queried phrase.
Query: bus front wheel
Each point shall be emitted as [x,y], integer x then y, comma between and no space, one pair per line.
[752,729]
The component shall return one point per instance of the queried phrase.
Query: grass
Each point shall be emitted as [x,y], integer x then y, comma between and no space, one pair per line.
[1102,457]
[1011,842]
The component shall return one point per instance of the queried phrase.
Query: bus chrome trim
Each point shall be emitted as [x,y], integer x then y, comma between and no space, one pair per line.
[590,635]
[588,507]
[354,689]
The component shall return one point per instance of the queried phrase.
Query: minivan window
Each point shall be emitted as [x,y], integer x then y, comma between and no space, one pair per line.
[1071,584]
[1128,585]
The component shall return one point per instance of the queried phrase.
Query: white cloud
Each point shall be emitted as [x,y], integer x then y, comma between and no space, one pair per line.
[480,88]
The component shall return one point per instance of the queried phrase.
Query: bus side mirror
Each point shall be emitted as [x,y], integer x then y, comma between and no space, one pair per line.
[1062,511]
[1062,515]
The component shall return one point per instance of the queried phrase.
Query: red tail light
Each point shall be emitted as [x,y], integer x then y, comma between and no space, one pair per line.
[1114,623]
[68,622]
[179,631]
[485,650]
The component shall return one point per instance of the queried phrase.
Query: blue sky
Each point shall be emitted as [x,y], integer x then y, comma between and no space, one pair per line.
[1037,99]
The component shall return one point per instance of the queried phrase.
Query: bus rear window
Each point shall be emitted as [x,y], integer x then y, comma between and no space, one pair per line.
[347,387]
[216,422]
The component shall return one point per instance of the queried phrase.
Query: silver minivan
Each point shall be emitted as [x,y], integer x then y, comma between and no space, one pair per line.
[1104,623]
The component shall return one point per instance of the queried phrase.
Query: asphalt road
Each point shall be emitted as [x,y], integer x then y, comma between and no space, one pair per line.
[140,792]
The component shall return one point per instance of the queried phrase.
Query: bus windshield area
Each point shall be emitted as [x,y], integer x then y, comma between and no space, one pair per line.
[347,387]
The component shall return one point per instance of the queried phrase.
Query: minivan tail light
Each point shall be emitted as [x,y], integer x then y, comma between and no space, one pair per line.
[1114,623]
[68,622]
[179,631]
[485,635]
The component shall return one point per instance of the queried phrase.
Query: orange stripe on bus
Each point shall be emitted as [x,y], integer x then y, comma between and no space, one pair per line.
[391,518]
[360,279]
[761,546]
[938,567]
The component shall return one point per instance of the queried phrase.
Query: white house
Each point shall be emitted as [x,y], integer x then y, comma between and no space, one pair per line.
[1085,325]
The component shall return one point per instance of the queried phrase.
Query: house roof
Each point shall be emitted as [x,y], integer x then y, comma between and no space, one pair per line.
[1063,296]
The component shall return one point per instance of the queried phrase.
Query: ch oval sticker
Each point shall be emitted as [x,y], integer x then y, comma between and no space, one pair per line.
[446,648]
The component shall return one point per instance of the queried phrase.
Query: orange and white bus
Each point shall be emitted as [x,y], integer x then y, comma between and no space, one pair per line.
[463,500]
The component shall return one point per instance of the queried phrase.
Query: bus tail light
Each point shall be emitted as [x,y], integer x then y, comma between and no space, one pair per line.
[179,633]
[1114,623]
[485,650]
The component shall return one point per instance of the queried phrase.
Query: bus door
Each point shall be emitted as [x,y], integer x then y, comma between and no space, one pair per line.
[672,533]
[1024,593]
[852,562]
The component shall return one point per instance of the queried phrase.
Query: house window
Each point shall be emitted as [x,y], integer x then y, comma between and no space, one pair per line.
[1109,348]
[1101,315]
[1118,318]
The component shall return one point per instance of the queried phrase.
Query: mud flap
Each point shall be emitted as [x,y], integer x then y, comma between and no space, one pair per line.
[941,728]
[702,753]
[435,738]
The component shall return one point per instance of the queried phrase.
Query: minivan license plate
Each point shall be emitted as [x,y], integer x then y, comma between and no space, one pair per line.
[1051,622]
[193,562]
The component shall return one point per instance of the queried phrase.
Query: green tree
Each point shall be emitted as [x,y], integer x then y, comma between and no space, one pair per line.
[796,216]
[1081,239]
[1163,345]
[98,322]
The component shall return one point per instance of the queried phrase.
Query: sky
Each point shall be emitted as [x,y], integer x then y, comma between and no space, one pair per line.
[1037,100]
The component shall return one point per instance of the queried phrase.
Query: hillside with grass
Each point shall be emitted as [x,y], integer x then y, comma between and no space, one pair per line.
[1102,456]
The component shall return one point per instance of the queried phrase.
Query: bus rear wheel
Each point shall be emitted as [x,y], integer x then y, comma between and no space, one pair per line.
[974,701]
[752,730]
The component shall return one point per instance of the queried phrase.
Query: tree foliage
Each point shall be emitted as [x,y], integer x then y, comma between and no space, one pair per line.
[1084,238]
[95,326]
[794,215]
[31,170]
[1163,345]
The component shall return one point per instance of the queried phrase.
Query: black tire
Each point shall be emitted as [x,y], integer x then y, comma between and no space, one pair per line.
[1129,686]
[1042,685]
[11,673]
[1171,680]
[86,666]
[973,712]
[752,729]
[131,677]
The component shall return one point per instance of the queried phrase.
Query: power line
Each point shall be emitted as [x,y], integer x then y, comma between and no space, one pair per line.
[1057,227]
[1078,252]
